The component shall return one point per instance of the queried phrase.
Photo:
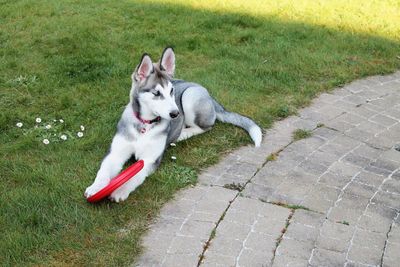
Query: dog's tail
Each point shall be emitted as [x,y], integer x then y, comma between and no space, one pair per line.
[236,119]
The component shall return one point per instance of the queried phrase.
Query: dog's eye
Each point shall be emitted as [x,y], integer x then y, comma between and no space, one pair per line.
[172,90]
[157,93]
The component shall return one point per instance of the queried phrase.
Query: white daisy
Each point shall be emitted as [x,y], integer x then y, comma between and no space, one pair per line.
[38,120]
[63,137]
[173,158]
[61,120]
[19,124]
[48,126]
[46,141]
[54,120]
[82,128]
[79,134]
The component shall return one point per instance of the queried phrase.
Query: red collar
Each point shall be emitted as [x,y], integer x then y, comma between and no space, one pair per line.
[157,119]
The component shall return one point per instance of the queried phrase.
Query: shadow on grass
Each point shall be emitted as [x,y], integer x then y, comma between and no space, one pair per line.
[83,54]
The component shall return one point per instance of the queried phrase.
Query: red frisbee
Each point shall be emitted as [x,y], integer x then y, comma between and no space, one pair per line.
[117,181]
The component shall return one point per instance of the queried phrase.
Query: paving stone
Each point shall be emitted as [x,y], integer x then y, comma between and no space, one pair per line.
[321,198]
[216,259]
[309,114]
[252,155]
[185,245]
[285,261]
[258,191]
[344,105]
[323,257]
[376,170]
[300,175]
[325,133]
[383,120]
[365,255]
[293,189]
[363,112]
[392,155]
[358,134]
[347,173]
[167,225]
[242,170]
[226,228]
[159,243]
[335,149]
[355,99]
[305,124]
[332,244]
[261,243]
[334,179]
[178,209]
[354,202]
[240,217]
[268,177]
[351,216]
[183,260]
[392,113]
[370,127]
[308,218]
[394,234]
[357,160]
[313,167]
[367,152]
[339,125]
[355,87]
[345,169]
[295,249]
[301,232]
[387,199]
[335,230]
[369,178]
[323,158]
[385,164]
[225,246]
[391,186]
[352,119]
[375,223]
[391,256]
[270,226]
[382,141]
[197,228]
[254,258]
[249,226]
[368,238]
[360,190]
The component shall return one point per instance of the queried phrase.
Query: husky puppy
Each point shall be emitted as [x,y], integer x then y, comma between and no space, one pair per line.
[161,110]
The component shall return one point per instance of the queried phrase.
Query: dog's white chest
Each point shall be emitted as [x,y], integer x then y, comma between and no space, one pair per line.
[149,142]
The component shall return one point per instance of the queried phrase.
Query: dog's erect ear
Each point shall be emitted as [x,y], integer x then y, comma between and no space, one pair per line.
[167,62]
[144,69]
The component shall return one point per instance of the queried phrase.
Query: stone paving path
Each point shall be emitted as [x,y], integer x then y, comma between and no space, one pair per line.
[332,199]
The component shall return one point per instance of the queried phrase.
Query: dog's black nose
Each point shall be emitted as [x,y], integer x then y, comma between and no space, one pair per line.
[174,114]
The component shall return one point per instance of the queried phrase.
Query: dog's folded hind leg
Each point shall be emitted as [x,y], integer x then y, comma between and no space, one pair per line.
[189,132]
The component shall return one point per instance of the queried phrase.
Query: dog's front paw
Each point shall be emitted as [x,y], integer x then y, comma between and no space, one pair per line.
[119,195]
[94,188]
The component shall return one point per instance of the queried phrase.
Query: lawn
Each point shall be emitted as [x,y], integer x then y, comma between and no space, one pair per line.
[72,60]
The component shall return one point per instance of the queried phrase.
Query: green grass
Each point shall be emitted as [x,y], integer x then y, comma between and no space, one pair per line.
[301,134]
[73,60]
[273,156]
